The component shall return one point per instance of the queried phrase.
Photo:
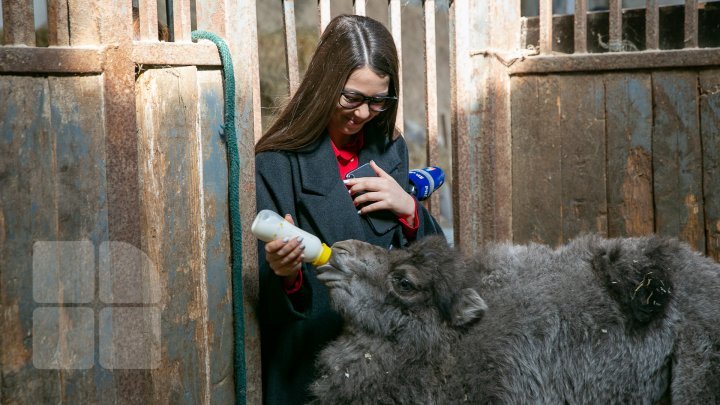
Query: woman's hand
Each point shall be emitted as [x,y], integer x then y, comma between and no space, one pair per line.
[285,256]
[382,193]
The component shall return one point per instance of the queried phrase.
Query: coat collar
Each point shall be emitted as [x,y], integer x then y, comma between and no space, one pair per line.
[328,202]
[318,160]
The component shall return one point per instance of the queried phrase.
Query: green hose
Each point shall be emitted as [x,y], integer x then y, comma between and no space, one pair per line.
[233,157]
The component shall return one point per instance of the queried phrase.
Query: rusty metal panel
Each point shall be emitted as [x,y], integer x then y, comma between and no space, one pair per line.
[581,105]
[123,187]
[18,59]
[677,157]
[536,148]
[431,107]
[652,25]
[58,23]
[691,23]
[172,220]
[214,170]
[710,130]
[85,18]
[489,96]
[580,26]
[463,126]
[291,55]
[19,23]
[676,58]
[615,29]
[629,157]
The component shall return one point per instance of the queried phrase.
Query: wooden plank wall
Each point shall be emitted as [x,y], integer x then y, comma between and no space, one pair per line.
[617,153]
[53,177]
[96,154]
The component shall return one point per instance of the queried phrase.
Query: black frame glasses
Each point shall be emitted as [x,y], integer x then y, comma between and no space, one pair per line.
[351,100]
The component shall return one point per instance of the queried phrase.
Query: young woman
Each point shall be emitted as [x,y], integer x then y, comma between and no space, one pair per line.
[341,117]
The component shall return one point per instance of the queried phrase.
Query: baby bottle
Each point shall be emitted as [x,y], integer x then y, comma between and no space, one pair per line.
[269,226]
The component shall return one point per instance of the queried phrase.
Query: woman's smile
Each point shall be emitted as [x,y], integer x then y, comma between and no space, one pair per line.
[347,122]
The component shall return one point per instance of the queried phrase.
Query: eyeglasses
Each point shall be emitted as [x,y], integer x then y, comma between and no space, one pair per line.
[351,99]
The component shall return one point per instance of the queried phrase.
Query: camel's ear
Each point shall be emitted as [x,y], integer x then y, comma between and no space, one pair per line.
[467,307]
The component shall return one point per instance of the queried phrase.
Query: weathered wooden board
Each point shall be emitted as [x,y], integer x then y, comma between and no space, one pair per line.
[494,158]
[581,129]
[53,200]
[710,130]
[629,154]
[677,157]
[217,237]
[536,146]
[172,220]
[80,181]
[27,213]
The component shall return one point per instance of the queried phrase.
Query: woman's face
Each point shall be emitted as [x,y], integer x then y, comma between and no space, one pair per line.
[347,122]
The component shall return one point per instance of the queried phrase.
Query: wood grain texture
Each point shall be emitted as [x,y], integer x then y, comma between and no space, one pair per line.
[216,220]
[629,154]
[677,157]
[536,146]
[28,213]
[171,221]
[583,173]
[80,149]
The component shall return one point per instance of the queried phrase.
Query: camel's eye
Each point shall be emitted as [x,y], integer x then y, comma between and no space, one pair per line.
[404,286]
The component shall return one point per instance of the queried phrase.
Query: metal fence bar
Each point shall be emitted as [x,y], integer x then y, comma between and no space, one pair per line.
[148,20]
[691,23]
[57,20]
[324,13]
[546,28]
[431,108]
[652,25]
[580,26]
[359,7]
[460,78]
[19,24]
[395,28]
[210,15]
[181,13]
[615,42]
[291,54]
[83,18]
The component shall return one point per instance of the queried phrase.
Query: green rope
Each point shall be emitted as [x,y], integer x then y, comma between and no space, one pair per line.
[234,204]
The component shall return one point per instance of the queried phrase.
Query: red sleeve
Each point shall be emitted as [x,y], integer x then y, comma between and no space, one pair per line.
[294,287]
[410,231]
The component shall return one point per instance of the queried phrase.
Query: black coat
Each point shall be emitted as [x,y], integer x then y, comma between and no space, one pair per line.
[307,185]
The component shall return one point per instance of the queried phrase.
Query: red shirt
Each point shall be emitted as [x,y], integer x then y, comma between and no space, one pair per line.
[347,158]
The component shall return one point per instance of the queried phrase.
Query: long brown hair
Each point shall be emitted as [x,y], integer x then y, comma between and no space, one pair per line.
[348,43]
